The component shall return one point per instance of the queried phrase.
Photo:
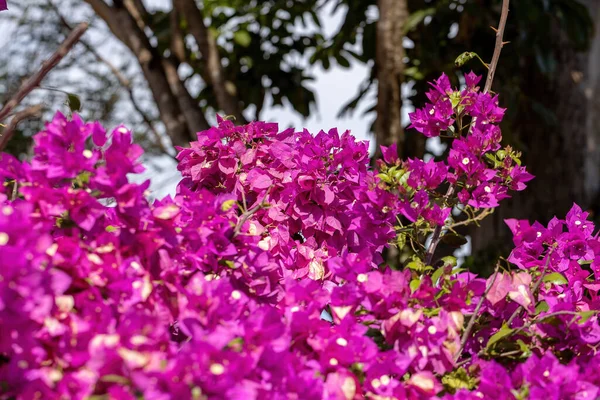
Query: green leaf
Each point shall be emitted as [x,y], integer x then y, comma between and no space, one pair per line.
[416,265]
[342,61]
[73,102]
[110,228]
[242,38]
[524,348]
[235,344]
[227,205]
[437,275]
[542,306]
[449,260]
[501,334]
[585,315]
[464,58]
[455,99]
[401,241]
[459,379]
[413,72]
[416,18]
[358,371]
[414,285]
[454,239]
[556,278]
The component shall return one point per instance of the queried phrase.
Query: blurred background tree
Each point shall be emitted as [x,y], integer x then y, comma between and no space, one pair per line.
[181,61]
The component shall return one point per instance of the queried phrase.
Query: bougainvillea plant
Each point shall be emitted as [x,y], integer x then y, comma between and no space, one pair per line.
[263,277]
[219,292]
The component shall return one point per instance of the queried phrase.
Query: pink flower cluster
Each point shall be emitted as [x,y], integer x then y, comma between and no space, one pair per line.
[476,141]
[263,277]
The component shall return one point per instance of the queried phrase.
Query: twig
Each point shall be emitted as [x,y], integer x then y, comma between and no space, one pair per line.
[437,233]
[248,213]
[467,331]
[47,66]
[435,239]
[15,190]
[498,47]
[480,217]
[18,117]
[123,81]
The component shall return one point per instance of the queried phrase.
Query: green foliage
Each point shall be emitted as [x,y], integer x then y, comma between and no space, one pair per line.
[258,40]
[555,278]
[501,334]
[459,379]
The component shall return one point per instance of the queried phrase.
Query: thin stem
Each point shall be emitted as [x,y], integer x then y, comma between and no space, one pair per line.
[467,332]
[481,216]
[488,85]
[249,213]
[498,46]
[437,233]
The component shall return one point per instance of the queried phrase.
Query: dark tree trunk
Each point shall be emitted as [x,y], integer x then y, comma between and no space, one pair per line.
[389,69]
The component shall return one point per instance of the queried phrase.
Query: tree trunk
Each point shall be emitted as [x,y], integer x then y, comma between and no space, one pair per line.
[225,91]
[564,156]
[389,70]
[126,27]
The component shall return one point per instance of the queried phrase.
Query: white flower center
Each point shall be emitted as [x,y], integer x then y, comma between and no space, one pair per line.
[3,238]
[385,379]
[217,369]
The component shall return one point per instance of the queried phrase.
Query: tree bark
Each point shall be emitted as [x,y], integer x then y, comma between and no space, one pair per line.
[225,91]
[389,70]
[181,126]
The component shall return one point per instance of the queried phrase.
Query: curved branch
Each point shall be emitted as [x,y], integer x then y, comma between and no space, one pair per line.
[35,80]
